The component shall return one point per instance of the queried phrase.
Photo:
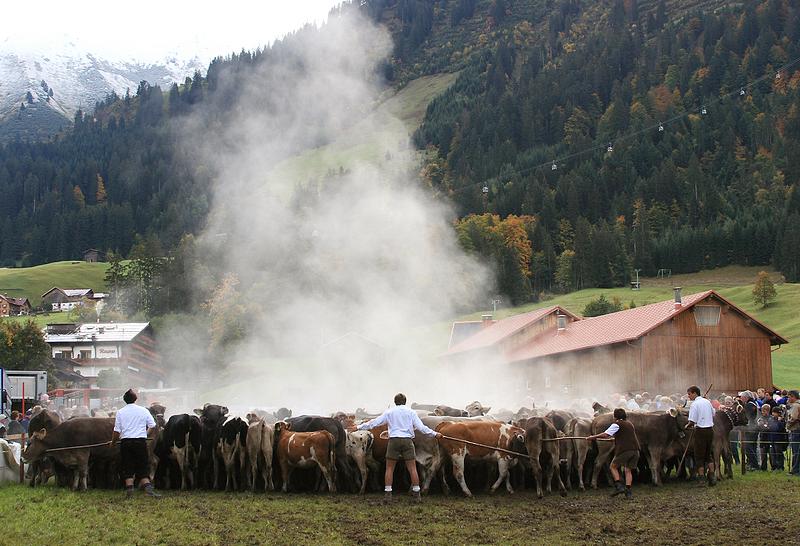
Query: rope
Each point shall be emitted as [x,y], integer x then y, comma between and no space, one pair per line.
[85,446]
[576,438]
[77,447]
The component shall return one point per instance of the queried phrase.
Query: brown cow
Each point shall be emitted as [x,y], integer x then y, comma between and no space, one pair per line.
[306,450]
[660,435]
[540,437]
[488,433]
[578,427]
[81,431]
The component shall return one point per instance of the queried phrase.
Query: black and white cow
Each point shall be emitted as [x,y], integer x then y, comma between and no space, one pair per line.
[178,448]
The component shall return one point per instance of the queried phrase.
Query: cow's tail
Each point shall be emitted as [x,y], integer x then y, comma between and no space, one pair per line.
[370,439]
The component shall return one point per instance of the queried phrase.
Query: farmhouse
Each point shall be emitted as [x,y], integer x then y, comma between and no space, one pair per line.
[664,347]
[94,347]
[65,299]
[12,307]
[92,255]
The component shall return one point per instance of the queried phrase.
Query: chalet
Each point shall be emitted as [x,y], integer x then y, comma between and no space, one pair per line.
[12,307]
[65,299]
[664,347]
[93,255]
[91,348]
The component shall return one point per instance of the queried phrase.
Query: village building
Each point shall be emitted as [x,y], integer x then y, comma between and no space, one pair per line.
[127,347]
[702,339]
[12,307]
[65,299]
[92,255]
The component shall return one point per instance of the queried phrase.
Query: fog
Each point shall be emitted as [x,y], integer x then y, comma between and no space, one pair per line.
[348,283]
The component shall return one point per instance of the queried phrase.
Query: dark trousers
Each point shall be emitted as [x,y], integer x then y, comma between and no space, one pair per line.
[776,458]
[794,445]
[751,449]
[734,442]
[764,449]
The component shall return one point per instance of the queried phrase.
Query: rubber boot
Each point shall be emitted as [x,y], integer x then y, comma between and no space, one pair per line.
[150,492]
[618,488]
[628,493]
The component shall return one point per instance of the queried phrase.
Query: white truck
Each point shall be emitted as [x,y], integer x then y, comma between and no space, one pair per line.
[14,382]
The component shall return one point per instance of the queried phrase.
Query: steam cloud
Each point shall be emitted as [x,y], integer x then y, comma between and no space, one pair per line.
[350,282]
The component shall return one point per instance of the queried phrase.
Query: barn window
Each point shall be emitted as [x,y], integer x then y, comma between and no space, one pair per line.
[707,315]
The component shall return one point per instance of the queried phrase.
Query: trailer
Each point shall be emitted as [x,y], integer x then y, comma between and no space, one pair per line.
[19,384]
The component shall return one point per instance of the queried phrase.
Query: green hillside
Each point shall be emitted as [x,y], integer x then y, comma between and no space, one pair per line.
[373,140]
[734,283]
[32,282]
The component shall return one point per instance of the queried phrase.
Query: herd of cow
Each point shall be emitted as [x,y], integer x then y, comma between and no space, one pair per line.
[212,449]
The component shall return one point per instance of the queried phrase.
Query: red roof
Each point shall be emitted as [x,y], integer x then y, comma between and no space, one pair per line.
[502,329]
[616,327]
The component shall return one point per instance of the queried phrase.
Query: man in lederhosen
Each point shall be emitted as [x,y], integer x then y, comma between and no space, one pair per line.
[130,428]
[626,450]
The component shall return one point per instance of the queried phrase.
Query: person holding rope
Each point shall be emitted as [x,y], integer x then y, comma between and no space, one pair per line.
[402,421]
[701,418]
[626,450]
[130,427]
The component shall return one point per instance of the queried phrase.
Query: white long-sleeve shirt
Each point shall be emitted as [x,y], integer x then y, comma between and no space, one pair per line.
[402,421]
[132,421]
[701,413]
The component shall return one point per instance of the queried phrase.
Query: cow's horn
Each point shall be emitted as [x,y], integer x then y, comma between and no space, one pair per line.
[673,412]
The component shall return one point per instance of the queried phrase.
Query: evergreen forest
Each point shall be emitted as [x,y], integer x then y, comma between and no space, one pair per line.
[580,141]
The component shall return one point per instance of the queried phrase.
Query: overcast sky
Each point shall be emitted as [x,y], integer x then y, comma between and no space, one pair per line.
[150,30]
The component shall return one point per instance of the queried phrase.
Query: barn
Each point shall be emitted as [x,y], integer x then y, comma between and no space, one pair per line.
[663,347]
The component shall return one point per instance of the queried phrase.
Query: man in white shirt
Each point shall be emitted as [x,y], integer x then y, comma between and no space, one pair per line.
[402,421]
[130,426]
[701,417]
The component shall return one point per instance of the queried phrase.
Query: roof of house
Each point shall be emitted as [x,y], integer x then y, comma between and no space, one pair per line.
[70,292]
[97,331]
[618,327]
[503,328]
[15,301]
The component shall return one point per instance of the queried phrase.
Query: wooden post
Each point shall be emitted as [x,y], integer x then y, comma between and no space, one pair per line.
[743,451]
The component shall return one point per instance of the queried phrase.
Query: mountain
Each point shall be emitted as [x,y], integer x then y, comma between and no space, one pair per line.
[579,140]
[41,90]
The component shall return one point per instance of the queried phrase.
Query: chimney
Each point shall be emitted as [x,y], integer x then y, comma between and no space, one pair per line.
[486,321]
[678,300]
[561,321]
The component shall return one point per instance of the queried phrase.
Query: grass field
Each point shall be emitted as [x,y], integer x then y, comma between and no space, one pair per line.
[32,282]
[678,513]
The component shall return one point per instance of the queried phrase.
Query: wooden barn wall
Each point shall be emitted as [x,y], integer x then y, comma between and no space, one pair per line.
[595,372]
[527,333]
[732,355]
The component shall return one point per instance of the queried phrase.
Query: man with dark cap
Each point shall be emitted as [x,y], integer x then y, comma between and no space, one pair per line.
[130,427]
[626,450]
[747,398]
